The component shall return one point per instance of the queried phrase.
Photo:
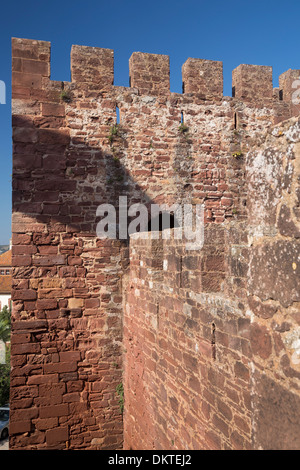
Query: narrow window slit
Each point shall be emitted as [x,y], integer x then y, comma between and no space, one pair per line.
[118,115]
[235,120]
[213,341]
[163,221]
[280,95]
[180,272]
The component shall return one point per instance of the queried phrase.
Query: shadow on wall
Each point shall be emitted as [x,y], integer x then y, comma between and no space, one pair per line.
[67,284]
[61,185]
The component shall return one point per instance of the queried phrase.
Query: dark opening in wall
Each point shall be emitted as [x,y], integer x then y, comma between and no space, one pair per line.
[233,92]
[163,221]
[235,120]
[213,341]
[280,95]
[182,118]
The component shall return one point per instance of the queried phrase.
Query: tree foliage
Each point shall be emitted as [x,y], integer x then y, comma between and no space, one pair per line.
[5,328]
[5,321]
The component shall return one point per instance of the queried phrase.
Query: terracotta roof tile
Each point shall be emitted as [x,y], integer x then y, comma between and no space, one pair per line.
[5,284]
[5,258]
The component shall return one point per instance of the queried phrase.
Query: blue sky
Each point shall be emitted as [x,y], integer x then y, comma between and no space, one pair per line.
[234,31]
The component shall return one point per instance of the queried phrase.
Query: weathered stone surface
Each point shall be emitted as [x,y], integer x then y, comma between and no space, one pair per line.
[285,223]
[183,330]
[276,413]
[275,272]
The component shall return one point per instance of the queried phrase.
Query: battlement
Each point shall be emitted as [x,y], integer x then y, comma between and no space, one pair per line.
[30,63]
[92,65]
[150,74]
[252,82]
[203,76]
[173,326]
[289,86]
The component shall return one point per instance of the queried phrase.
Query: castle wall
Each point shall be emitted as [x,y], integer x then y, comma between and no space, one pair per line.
[67,328]
[212,335]
[68,158]
[187,343]
[273,171]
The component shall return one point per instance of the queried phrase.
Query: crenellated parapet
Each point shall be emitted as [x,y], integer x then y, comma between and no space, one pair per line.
[150,73]
[30,66]
[93,67]
[204,77]
[252,83]
[289,85]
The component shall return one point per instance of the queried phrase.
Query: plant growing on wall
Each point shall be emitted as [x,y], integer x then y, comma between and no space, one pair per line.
[183,128]
[120,393]
[237,154]
[114,132]
[65,96]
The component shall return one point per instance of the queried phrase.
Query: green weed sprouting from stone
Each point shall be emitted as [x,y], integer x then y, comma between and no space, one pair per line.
[65,96]
[69,172]
[120,393]
[114,132]
[183,128]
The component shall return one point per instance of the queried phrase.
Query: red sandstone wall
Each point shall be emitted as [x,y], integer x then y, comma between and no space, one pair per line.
[273,173]
[67,284]
[187,371]
[212,336]
[66,329]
